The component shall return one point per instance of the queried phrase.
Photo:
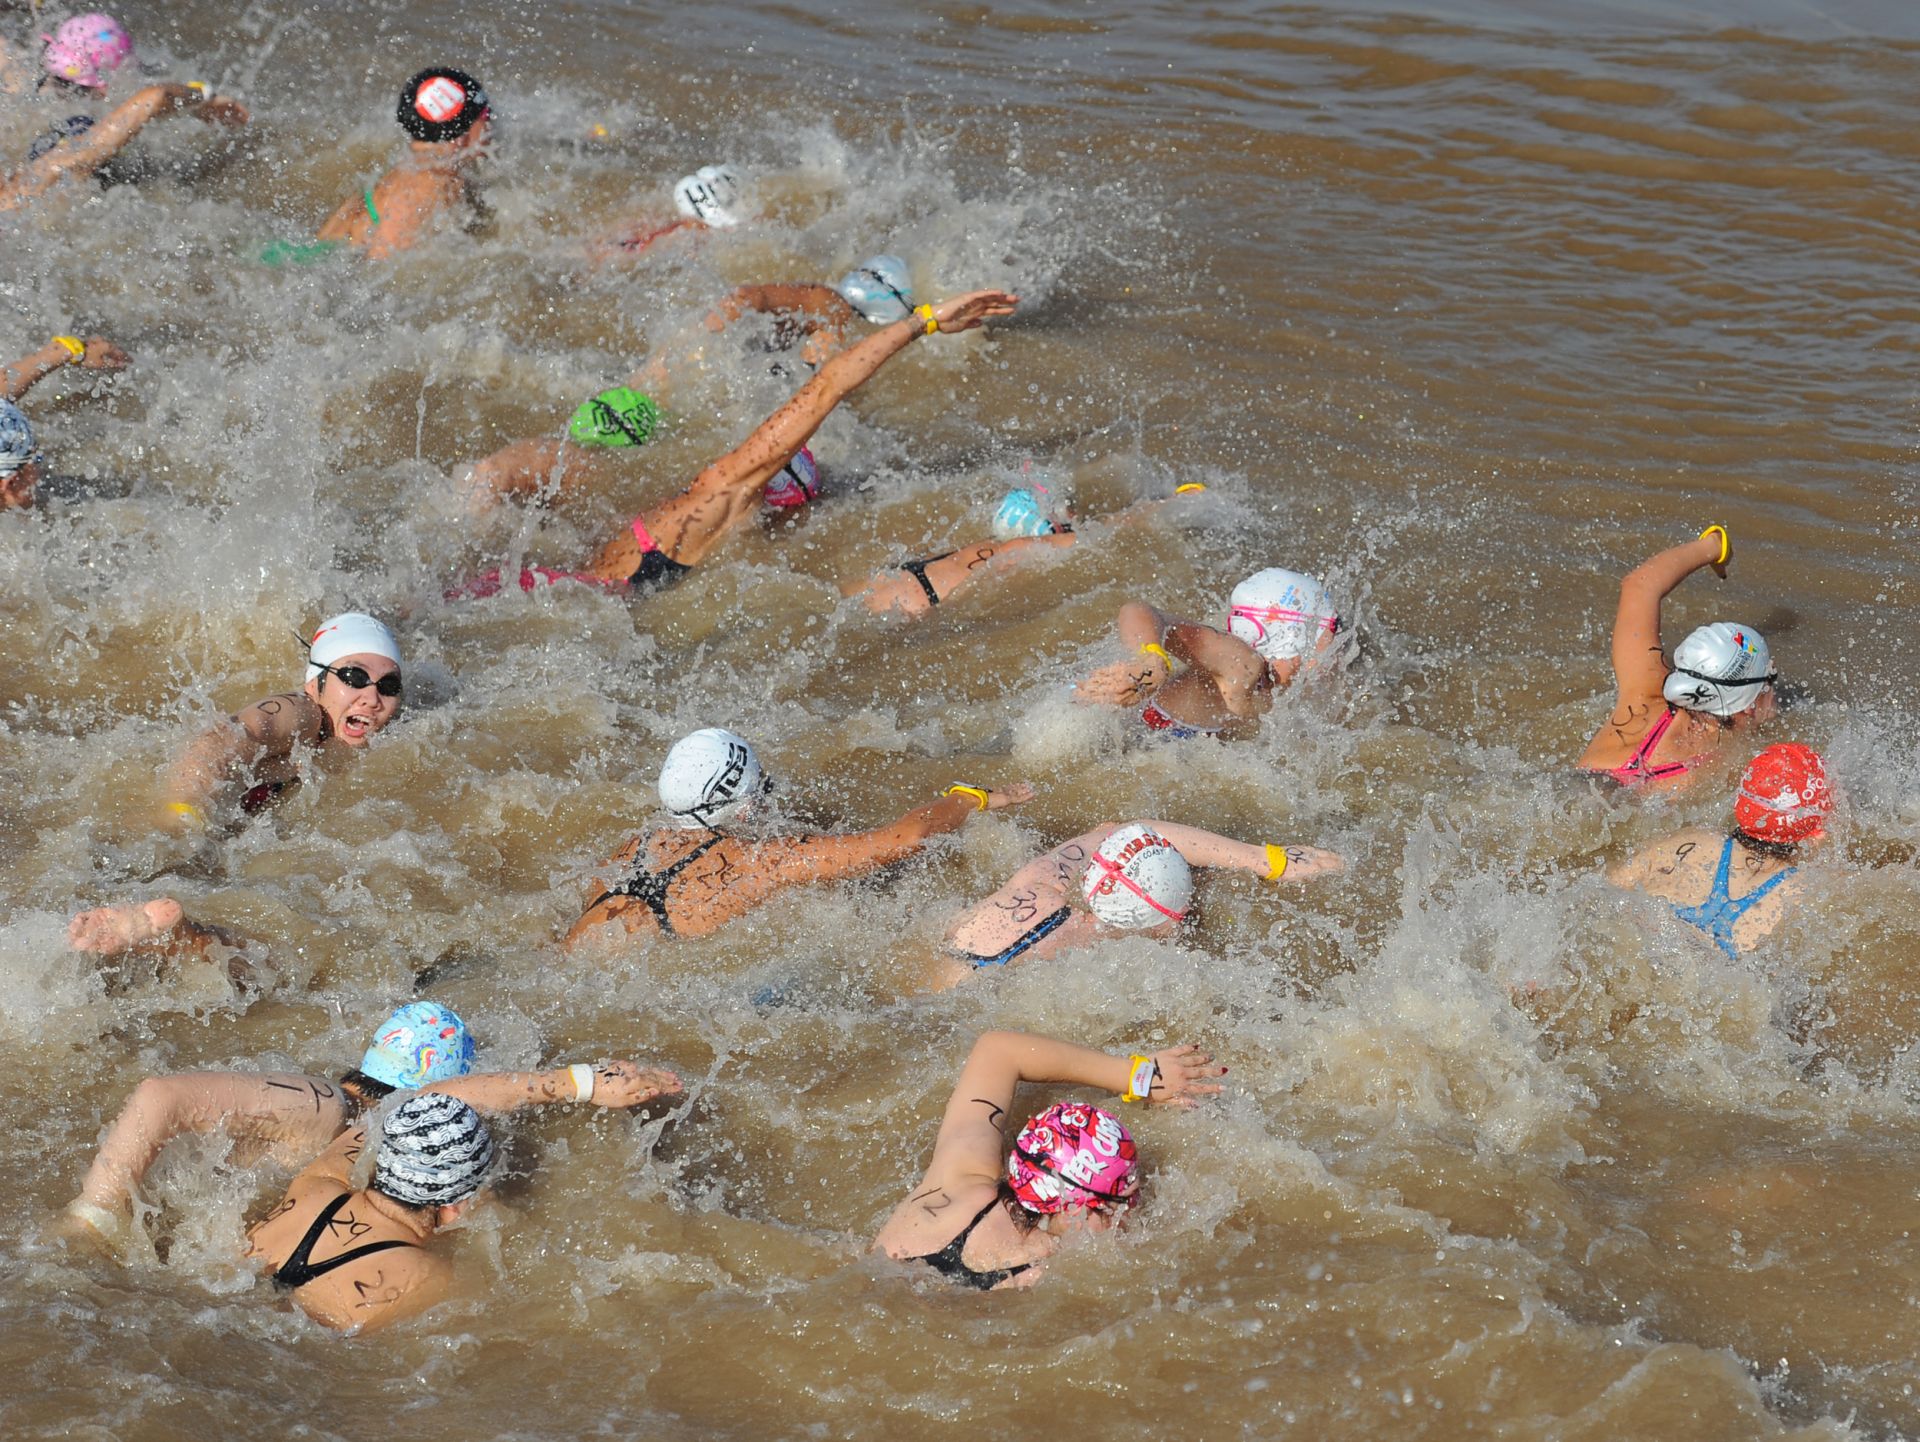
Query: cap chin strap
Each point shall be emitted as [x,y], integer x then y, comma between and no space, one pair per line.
[1114,871]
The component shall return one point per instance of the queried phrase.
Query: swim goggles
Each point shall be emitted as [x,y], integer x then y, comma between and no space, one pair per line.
[357,678]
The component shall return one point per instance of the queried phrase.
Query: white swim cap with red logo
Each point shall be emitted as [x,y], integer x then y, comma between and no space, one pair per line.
[1137,878]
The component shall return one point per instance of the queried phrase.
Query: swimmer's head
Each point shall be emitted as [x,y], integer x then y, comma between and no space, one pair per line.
[618,417]
[1281,614]
[1073,1155]
[1722,669]
[353,674]
[1024,511]
[440,104]
[1784,795]
[19,458]
[434,1152]
[796,483]
[880,289]
[420,1043]
[710,778]
[711,195]
[1137,879]
[85,50]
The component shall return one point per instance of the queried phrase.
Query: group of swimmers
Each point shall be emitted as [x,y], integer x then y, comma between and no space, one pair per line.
[397,1147]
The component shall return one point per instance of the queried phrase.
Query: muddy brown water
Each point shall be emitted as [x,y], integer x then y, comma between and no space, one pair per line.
[1467,306]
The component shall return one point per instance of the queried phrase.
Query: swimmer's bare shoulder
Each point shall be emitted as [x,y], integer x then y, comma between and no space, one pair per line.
[277,723]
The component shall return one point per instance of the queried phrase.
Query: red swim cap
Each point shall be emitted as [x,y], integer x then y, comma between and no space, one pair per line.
[1784,795]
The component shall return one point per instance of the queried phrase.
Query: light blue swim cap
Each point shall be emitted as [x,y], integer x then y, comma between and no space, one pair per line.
[418,1044]
[1022,513]
[16,438]
[880,289]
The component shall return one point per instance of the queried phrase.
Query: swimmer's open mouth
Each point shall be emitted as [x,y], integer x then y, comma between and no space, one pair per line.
[356,728]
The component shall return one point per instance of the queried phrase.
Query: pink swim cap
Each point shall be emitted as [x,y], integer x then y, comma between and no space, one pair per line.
[1073,1155]
[795,483]
[84,48]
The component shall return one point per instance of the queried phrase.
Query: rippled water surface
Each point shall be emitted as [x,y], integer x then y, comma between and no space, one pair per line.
[1468,306]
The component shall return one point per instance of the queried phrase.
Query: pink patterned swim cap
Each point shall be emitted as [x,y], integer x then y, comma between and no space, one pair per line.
[1073,1155]
[84,48]
[795,483]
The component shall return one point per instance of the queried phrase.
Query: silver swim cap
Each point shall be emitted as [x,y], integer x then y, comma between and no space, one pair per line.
[1720,669]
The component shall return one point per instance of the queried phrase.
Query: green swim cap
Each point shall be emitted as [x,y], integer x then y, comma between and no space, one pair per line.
[619,417]
[296,252]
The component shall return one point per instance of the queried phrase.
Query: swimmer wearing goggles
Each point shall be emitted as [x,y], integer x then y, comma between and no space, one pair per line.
[1192,680]
[699,872]
[1670,719]
[998,1200]
[352,693]
[668,540]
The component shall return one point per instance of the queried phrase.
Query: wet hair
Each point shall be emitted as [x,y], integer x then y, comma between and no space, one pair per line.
[363,1091]
[1009,1201]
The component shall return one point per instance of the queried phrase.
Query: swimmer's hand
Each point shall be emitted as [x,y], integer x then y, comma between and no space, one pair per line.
[218,110]
[628,1084]
[1013,795]
[1304,863]
[964,312]
[1719,543]
[103,355]
[1125,683]
[1183,1077]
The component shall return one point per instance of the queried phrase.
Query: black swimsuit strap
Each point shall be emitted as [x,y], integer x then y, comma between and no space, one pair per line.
[650,887]
[947,1260]
[918,570]
[297,1271]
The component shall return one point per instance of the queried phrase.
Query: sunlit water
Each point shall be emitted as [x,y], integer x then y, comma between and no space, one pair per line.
[1469,311]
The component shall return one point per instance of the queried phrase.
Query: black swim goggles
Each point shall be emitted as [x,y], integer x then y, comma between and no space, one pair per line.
[887,285]
[357,678]
[1766,680]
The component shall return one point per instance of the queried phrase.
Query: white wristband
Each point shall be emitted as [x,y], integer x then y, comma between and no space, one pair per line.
[582,1080]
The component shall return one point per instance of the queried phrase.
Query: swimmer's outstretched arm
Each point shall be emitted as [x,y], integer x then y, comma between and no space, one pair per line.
[85,154]
[974,1131]
[1639,662]
[99,354]
[795,860]
[619,1084]
[1237,669]
[265,730]
[298,1113]
[690,525]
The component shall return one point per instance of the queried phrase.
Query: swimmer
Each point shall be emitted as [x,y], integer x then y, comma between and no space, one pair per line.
[1136,877]
[1279,622]
[79,59]
[672,538]
[95,353]
[445,113]
[161,930]
[691,877]
[1779,818]
[352,693]
[811,316]
[992,1208]
[710,199]
[1029,517]
[1669,720]
[357,1260]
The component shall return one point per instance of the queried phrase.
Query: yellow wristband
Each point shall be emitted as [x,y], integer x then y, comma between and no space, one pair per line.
[1726,544]
[925,312]
[190,811]
[1154,648]
[976,792]
[1276,862]
[1140,1078]
[199,87]
[73,346]
[1189,486]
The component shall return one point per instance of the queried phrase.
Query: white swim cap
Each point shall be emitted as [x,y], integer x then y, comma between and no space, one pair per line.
[352,633]
[434,1151]
[711,194]
[1280,613]
[880,289]
[1720,669]
[16,438]
[1137,879]
[710,777]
